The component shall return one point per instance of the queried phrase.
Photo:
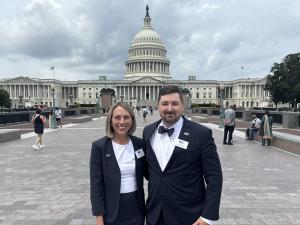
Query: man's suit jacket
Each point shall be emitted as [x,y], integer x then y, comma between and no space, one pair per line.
[191,184]
[105,178]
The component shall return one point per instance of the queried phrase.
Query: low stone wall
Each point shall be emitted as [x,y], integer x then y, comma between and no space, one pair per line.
[287,119]
[9,135]
[82,119]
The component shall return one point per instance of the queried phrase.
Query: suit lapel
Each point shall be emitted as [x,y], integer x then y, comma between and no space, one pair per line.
[138,161]
[111,157]
[150,130]
[150,155]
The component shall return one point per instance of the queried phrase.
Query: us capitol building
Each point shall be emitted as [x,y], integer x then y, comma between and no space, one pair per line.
[147,70]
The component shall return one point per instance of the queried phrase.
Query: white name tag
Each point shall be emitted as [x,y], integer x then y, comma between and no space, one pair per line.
[139,153]
[181,143]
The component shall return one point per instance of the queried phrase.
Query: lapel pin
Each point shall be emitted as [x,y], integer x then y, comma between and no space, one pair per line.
[107,155]
[186,133]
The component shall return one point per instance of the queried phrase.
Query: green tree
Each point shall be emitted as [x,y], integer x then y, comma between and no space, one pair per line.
[4,99]
[283,82]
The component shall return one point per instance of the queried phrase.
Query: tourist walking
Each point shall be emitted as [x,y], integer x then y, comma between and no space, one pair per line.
[117,167]
[185,176]
[266,129]
[145,112]
[58,114]
[38,121]
[229,124]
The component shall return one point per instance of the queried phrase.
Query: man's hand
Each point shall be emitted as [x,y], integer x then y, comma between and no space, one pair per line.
[200,222]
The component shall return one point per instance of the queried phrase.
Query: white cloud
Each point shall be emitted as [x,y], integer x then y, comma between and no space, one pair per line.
[211,39]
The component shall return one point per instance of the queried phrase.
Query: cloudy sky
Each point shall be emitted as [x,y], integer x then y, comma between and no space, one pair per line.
[82,39]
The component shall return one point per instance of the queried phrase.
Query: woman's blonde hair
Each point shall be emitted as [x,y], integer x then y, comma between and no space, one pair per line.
[110,129]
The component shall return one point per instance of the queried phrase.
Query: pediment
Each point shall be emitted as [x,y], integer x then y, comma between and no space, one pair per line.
[21,80]
[147,80]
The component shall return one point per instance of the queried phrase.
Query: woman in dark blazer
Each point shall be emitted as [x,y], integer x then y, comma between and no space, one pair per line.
[117,167]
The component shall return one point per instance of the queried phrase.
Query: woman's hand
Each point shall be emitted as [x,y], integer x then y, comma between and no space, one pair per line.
[99,220]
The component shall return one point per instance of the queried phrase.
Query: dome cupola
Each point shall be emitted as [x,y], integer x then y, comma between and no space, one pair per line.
[147,54]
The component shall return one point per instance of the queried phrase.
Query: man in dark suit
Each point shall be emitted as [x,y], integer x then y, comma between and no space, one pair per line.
[185,176]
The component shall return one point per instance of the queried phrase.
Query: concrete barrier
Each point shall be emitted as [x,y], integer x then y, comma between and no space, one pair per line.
[9,135]
[82,119]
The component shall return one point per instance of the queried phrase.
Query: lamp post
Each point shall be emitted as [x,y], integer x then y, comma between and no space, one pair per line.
[98,105]
[21,103]
[221,96]
[53,120]
[71,100]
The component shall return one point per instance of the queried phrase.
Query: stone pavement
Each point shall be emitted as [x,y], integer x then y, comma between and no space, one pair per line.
[51,187]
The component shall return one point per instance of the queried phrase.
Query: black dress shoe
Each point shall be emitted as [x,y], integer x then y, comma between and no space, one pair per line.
[224,143]
[230,144]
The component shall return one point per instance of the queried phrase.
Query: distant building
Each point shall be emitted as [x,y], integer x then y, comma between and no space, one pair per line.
[147,70]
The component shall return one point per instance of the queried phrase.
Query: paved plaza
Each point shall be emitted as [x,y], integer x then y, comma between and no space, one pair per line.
[51,187]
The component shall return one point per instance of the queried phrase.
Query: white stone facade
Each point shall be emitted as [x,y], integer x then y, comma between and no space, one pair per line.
[245,93]
[147,70]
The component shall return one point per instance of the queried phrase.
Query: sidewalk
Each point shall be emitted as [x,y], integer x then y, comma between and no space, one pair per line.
[51,187]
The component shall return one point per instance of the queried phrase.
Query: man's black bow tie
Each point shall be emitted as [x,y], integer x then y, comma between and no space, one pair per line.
[162,130]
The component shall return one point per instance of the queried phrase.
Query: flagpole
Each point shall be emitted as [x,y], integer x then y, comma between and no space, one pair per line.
[53,72]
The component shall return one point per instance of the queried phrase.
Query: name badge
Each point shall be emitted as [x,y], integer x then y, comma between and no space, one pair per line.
[139,153]
[181,143]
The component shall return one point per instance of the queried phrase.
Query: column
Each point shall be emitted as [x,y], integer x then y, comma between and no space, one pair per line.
[249,93]
[23,91]
[136,92]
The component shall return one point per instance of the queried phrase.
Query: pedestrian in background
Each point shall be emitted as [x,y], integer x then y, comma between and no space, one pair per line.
[58,114]
[254,127]
[117,167]
[38,121]
[229,124]
[266,129]
[145,112]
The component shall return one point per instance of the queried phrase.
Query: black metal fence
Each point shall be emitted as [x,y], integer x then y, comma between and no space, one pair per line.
[239,114]
[69,113]
[13,118]
[277,118]
[25,116]
[83,111]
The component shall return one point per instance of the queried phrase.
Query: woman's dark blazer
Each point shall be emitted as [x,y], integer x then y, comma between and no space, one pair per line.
[105,178]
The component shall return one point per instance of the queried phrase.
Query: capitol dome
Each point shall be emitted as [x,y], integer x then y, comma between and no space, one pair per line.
[147,36]
[147,54]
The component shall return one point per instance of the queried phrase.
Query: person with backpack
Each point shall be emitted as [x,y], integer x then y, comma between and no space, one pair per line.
[38,121]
